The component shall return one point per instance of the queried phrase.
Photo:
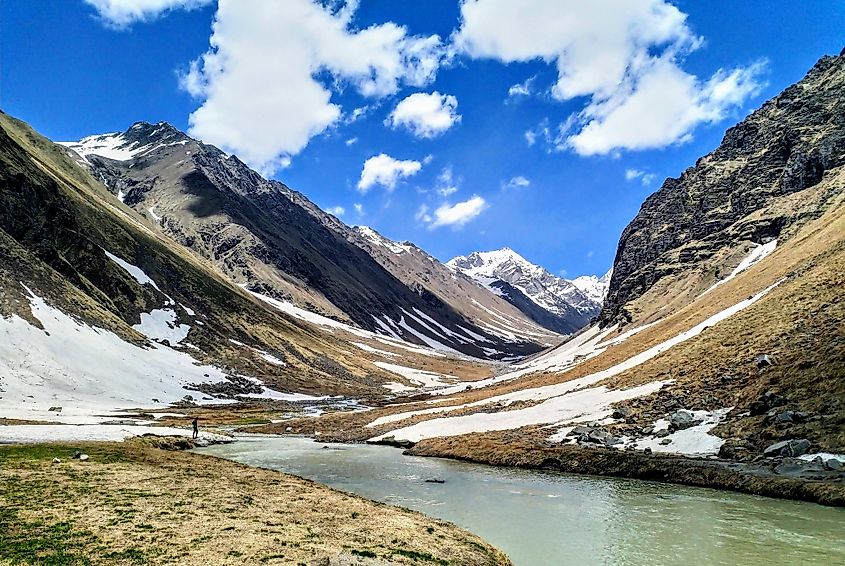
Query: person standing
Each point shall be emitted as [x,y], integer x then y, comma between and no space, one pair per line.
[195,424]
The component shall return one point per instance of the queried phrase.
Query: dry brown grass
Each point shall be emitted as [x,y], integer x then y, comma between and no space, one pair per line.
[131,503]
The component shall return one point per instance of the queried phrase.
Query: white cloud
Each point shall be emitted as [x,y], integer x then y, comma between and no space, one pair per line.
[646,179]
[524,88]
[453,215]
[518,182]
[625,55]
[351,141]
[122,13]
[359,208]
[426,115]
[260,95]
[336,210]
[386,171]
[422,214]
[446,183]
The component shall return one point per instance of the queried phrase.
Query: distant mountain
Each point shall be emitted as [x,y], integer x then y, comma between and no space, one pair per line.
[273,240]
[555,303]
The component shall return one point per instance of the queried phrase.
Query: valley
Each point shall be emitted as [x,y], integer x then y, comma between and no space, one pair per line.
[148,279]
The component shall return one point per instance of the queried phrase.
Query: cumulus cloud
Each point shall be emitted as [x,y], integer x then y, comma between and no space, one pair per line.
[455,215]
[123,13]
[646,179]
[518,182]
[386,171]
[336,210]
[624,55]
[425,115]
[260,82]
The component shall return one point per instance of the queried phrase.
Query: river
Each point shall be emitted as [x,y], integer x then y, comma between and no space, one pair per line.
[542,518]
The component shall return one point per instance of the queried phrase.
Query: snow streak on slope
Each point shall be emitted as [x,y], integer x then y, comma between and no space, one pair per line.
[758,252]
[560,404]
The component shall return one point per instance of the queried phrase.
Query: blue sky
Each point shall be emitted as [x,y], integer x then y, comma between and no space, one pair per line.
[283,83]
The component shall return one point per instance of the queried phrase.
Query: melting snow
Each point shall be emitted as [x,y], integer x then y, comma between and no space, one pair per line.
[424,378]
[136,272]
[566,402]
[86,370]
[160,324]
[758,252]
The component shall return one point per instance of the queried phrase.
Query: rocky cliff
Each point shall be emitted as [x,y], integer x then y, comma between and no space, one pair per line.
[699,227]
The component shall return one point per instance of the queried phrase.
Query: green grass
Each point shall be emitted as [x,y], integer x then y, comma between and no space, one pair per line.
[38,542]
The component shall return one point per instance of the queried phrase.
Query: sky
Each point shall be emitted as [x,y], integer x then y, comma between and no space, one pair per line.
[461,126]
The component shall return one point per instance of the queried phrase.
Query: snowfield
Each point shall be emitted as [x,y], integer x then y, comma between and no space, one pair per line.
[87,374]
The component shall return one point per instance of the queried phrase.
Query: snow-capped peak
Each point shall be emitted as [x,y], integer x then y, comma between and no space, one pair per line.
[492,263]
[141,138]
[593,286]
[554,294]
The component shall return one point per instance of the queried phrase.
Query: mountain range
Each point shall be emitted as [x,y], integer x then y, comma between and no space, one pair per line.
[274,241]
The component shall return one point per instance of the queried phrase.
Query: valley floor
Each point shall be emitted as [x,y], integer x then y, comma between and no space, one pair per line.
[141,502]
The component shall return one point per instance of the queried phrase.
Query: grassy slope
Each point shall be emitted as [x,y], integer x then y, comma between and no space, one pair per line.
[135,504]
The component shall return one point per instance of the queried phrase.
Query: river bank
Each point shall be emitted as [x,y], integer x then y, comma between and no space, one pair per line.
[135,503]
[798,481]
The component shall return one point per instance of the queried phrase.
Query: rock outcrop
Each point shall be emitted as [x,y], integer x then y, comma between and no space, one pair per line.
[696,228]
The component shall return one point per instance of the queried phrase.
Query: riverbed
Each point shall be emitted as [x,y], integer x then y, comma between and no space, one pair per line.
[542,518]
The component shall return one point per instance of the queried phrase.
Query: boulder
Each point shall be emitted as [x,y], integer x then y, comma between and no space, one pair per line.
[834,464]
[55,409]
[663,432]
[57,461]
[83,457]
[681,420]
[792,447]
[666,441]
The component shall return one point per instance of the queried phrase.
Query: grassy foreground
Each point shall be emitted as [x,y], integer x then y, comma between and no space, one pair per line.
[134,503]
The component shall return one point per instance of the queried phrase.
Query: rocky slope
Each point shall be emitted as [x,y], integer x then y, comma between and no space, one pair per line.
[697,228]
[272,240]
[553,302]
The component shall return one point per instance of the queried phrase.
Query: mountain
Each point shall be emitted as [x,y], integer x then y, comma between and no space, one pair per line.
[747,194]
[274,241]
[553,302]
[99,310]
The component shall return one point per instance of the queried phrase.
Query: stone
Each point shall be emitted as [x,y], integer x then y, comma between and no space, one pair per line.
[666,441]
[792,447]
[766,402]
[621,413]
[681,420]
[647,450]
[57,461]
[834,464]
[663,432]
[55,409]
[83,457]
[647,429]
[763,361]
[580,430]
